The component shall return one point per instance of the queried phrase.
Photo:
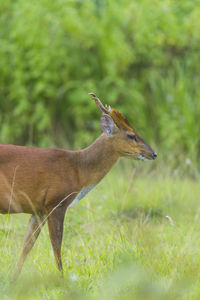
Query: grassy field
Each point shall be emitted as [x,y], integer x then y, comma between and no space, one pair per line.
[118,242]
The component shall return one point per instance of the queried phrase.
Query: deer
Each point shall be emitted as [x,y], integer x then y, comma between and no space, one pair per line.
[45,182]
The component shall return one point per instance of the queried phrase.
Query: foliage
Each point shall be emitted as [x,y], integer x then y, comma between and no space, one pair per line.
[141,57]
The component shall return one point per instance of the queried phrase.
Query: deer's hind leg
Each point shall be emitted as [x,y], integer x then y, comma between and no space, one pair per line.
[35,225]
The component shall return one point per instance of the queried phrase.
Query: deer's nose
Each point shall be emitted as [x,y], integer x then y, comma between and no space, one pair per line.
[154,155]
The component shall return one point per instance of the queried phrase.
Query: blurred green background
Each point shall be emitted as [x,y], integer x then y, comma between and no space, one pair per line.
[140,57]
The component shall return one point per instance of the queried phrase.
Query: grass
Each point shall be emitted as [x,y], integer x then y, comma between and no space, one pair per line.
[118,243]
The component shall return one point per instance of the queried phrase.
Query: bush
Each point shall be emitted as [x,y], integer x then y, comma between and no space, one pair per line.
[141,57]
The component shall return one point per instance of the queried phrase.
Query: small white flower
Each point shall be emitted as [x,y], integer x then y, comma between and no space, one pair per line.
[73,277]
[188,161]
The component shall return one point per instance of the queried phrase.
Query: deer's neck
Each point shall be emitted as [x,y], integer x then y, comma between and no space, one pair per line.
[95,161]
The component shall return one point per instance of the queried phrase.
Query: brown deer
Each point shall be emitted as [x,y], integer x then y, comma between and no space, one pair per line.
[45,182]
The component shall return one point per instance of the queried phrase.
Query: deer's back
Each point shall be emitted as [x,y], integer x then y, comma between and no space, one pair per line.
[29,175]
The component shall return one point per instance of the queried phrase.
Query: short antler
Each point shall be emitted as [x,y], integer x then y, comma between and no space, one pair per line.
[103,108]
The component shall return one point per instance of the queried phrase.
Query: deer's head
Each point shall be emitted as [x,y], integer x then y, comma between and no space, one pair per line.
[126,140]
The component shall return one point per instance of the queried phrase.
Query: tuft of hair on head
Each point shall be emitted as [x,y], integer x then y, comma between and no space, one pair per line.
[120,120]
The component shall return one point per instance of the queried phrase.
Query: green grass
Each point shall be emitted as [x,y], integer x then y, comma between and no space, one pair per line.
[118,243]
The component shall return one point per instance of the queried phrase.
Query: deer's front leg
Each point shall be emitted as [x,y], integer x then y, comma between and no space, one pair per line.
[55,225]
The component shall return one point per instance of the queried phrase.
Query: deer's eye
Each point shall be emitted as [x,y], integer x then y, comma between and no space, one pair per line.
[132,137]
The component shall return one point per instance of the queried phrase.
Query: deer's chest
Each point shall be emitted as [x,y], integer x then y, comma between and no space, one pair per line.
[82,194]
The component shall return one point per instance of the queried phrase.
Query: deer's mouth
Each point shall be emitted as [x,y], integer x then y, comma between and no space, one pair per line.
[130,153]
[140,157]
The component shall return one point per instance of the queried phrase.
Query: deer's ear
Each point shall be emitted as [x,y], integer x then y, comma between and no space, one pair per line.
[107,124]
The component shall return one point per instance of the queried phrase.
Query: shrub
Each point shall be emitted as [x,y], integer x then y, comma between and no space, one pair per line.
[141,57]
